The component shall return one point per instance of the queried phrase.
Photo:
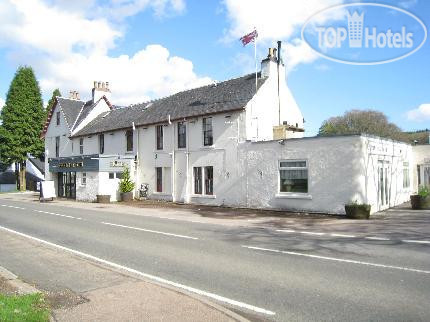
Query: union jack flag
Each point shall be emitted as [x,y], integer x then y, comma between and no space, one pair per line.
[249,38]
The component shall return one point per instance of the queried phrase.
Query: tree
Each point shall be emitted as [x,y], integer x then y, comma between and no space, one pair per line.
[358,121]
[22,121]
[51,101]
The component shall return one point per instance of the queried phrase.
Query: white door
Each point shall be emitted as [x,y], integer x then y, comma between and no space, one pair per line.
[383,185]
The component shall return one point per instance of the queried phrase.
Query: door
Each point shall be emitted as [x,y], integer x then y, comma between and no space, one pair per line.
[67,185]
[383,185]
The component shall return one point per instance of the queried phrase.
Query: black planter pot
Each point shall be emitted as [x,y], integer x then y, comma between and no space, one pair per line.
[103,198]
[418,202]
[127,196]
[357,211]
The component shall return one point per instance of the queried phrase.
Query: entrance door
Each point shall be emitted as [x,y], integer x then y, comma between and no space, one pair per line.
[67,185]
[383,185]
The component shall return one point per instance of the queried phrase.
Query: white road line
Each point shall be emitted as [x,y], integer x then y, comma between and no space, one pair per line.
[59,215]
[13,207]
[148,276]
[286,230]
[377,238]
[343,235]
[311,233]
[416,241]
[150,231]
[351,261]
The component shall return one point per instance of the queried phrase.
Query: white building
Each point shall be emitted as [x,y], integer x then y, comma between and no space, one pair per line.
[225,144]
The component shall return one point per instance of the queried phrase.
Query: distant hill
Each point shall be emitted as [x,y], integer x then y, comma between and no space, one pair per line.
[421,137]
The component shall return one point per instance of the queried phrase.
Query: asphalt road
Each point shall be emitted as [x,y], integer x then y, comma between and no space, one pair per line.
[275,275]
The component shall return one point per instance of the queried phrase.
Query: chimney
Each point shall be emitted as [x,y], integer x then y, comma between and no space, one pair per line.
[100,89]
[74,95]
[269,65]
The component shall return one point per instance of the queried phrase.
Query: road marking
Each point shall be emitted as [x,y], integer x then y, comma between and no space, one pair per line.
[13,207]
[351,261]
[150,231]
[286,230]
[343,235]
[416,241]
[148,276]
[59,215]
[311,233]
[377,238]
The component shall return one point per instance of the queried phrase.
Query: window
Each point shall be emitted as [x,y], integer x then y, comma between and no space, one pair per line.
[58,118]
[203,175]
[81,146]
[406,179]
[207,131]
[209,180]
[129,139]
[197,180]
[84,179]
[182,135]
[101,143]
[293,176]
[117,175]
[159,135]
[159,179]
[57,146]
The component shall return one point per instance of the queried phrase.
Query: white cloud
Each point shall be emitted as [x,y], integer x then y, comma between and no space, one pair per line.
[407,4]
[1,103]
[70,50]
[420,114]
[276,20]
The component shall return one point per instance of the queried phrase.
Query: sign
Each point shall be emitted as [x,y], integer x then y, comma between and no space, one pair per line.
[71,165]
[48,190]
[117,164]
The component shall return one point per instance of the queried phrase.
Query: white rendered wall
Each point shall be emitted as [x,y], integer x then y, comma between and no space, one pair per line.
[262,112]
[89,191]
[421,157]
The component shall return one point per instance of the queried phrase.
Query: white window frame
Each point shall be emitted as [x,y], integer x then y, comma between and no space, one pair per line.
[81,146]
[203,181]
[408,177]
[293,195]
[84,179]
[203,131]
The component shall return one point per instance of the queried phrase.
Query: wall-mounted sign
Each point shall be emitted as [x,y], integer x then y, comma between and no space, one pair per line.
[117,163]
[71,165]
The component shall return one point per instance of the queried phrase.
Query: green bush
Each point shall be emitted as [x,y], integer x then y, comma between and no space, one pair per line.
[126,185]
[423,191]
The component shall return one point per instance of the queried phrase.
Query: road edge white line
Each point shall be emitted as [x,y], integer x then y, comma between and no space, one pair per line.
[416,241]
[148,276]
[351,261]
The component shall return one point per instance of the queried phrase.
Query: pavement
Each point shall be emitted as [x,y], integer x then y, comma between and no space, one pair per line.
[261,265]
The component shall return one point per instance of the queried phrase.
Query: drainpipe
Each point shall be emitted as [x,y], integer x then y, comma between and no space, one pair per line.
[173,160]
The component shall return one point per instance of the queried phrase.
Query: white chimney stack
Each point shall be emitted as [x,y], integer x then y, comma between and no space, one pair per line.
[101,89]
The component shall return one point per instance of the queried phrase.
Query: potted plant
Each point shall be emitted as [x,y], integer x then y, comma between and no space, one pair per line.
[421,200]
[355,210]
[126,186]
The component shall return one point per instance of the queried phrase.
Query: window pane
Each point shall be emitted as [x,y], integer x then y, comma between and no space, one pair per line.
[129,138]
[159,179]
[159,132]
[209,181]
[293,180]
[292,164]
[101,143]
[182,135]
[111,175]
[207,132]
[198,180]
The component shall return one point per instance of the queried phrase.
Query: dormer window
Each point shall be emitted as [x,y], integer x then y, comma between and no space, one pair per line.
[58,118]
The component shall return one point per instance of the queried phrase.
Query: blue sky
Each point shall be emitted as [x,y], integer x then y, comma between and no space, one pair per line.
[148,49]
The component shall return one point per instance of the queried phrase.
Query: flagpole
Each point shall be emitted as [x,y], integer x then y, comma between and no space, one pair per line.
[255,58]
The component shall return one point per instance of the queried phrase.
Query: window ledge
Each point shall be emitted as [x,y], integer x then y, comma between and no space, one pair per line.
[204,196]
[161,194]
[208,147]
[294,196]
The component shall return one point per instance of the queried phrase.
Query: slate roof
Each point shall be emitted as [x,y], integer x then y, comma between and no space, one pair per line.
[39,164]
[230,95]
[71,109]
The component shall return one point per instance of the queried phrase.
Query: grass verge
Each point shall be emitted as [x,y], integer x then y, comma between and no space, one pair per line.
[32,308]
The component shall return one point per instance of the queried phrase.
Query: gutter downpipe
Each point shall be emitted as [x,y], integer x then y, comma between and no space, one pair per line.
[187,154]
[173,159]
[279,97]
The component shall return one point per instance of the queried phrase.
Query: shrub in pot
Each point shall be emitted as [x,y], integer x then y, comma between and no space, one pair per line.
[421,200]
[356,210]
[126,186]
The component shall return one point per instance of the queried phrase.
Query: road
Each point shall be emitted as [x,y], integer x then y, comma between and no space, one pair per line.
[269,273]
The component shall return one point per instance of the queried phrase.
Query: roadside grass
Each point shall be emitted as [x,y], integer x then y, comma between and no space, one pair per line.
[31,308]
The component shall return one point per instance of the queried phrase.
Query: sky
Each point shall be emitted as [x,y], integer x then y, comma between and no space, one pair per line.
[148,49]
